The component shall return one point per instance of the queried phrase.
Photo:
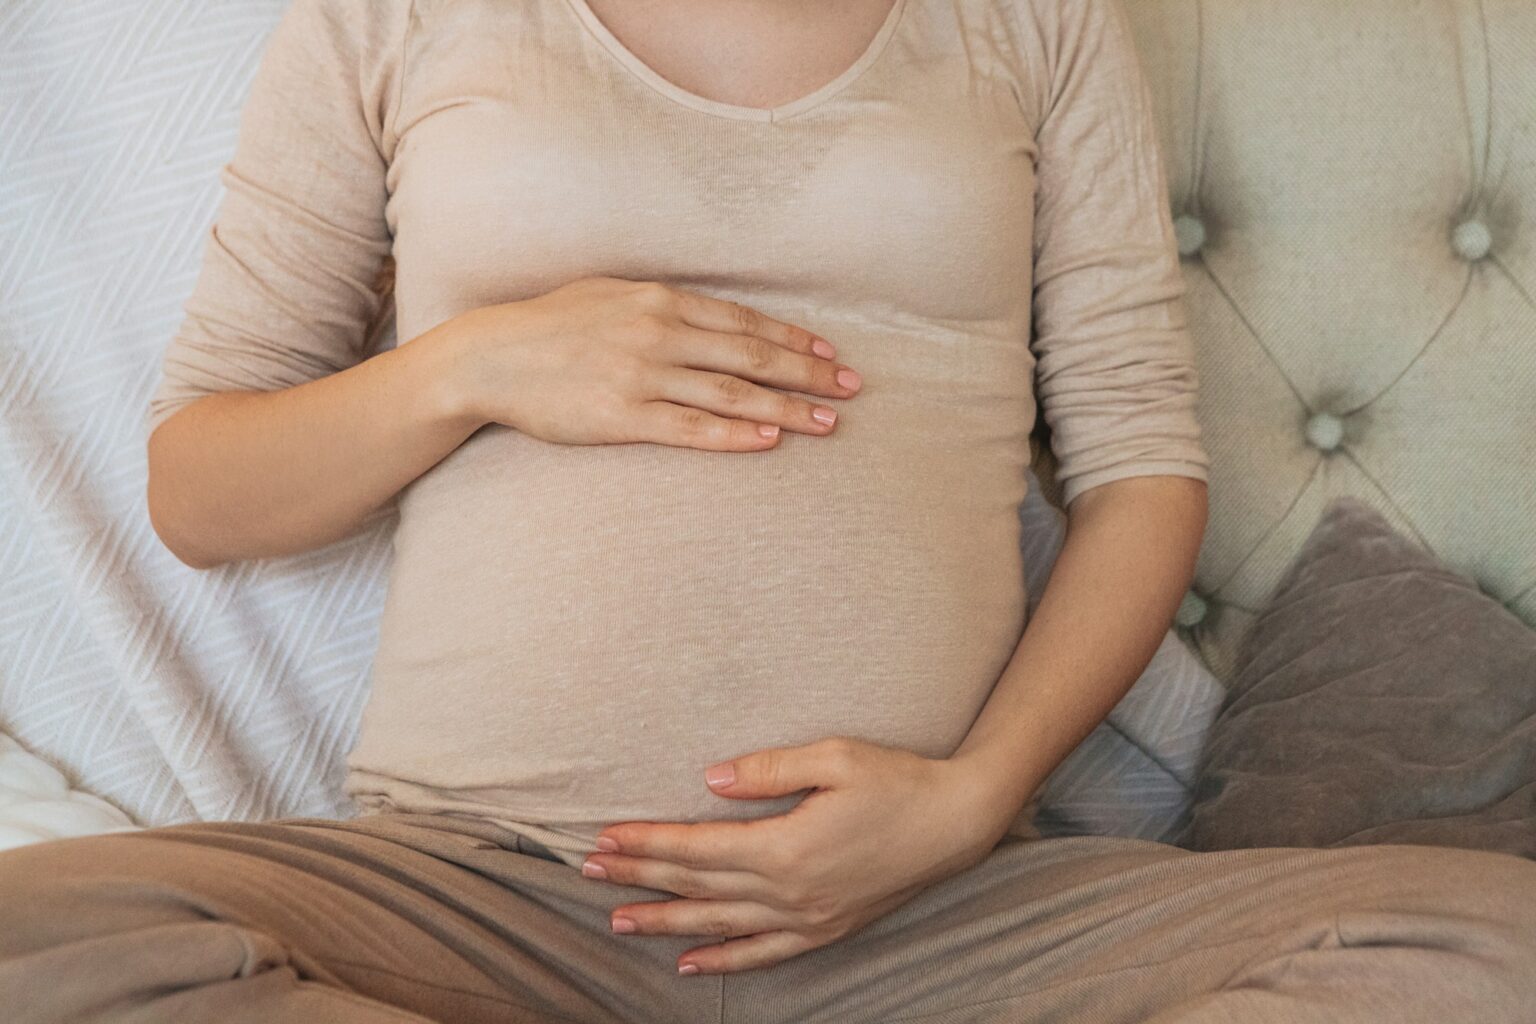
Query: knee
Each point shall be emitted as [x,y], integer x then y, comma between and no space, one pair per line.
[63,890]
[1474,903]
[96,926]
[30,874]
[37,881]
[1498,888]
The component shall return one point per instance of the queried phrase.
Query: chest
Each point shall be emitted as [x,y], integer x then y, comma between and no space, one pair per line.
[530,153]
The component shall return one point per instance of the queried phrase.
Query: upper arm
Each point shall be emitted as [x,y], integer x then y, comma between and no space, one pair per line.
[1115,370]
[289,282]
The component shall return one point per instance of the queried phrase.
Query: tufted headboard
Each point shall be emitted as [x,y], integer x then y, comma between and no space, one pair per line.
[1353,188]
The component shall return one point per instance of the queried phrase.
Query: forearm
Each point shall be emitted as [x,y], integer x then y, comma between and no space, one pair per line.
[244,474]
[1127,560]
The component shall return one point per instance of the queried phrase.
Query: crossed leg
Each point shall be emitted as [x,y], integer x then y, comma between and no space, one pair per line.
[1103,929]
[384,919]
[417,918]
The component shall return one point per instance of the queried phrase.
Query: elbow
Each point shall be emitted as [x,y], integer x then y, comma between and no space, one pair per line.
[191,563]
[166,507]
[162,523]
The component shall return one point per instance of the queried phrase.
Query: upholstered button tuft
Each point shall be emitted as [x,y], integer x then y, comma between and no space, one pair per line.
[1190,231]
[1325,431]
[1191,610]
[1471,240]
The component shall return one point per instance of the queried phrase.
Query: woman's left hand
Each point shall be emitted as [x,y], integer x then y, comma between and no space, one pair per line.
[880,825]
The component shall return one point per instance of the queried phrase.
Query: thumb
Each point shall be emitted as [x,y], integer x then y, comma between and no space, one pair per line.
[775,771]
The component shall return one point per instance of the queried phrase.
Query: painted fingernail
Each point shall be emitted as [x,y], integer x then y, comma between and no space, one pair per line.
[720,774]
[823,348]
[593,870]
[688,969]
[768,429]
[606,844]
[822,414]
[623,925]
[848,378]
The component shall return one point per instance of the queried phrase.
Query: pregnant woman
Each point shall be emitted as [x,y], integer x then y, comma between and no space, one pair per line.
[703,690]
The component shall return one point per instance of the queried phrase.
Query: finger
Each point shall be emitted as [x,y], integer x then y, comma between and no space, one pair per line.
[702,917]
[759,360]
[741,399]
[688,426]
[669,876]
[776,771]
[761,950]
[708,845]
[724,315]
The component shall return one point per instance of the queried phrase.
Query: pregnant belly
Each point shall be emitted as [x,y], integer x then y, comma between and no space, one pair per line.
[573,633]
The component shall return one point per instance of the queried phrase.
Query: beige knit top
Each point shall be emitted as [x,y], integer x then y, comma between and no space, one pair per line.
[974,212]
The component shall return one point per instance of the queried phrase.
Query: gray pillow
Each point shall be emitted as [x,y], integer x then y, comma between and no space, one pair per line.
[1380,697]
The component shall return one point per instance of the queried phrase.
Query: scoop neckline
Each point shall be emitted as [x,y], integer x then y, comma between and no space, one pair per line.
[677,94]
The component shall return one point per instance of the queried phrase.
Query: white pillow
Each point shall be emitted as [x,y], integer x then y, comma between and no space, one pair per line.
[37,803]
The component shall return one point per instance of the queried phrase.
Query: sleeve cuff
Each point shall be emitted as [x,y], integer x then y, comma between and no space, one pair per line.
[1074,486]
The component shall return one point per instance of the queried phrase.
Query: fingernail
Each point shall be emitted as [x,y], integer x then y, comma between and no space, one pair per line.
[768,429]
[848,378]
[623,925]
[688,969]
[822,414]
[593,870]
[720,774]
[823,348]
[607,844]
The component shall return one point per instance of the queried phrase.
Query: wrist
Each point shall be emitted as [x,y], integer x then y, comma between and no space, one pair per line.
[1000,782]
[994,793]
[448,353]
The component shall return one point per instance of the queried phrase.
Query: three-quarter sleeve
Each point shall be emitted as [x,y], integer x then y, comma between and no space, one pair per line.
[289,283]
[1115,371]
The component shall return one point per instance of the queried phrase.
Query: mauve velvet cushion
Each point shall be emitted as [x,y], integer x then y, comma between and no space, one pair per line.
[1380,697]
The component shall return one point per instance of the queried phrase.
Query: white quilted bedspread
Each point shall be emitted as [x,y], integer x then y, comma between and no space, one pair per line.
[37,803]
[232,694]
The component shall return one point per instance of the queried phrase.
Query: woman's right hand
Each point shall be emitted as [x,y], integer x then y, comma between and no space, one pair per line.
[605,360]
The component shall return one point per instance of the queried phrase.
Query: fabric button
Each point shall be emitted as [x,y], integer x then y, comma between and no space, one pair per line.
[1471,240]
[1191,610]
[1190,232]
[1325,431]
